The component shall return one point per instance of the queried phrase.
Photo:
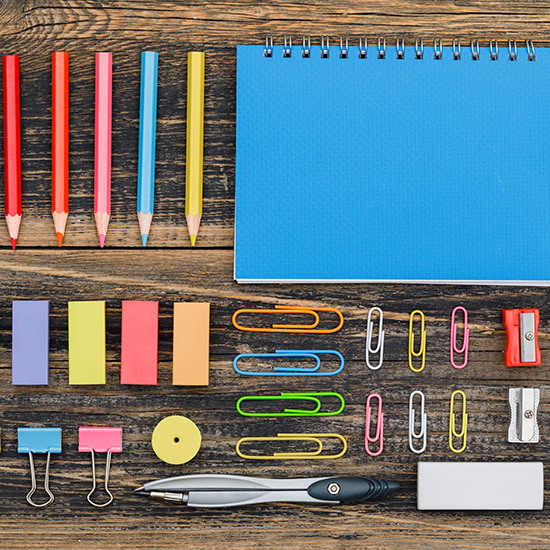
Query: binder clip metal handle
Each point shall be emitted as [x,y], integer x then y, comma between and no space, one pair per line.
[100,440]
[46,483]
[107,472]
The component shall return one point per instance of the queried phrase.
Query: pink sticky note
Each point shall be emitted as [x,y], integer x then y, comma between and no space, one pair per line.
[99,439]
[139,355]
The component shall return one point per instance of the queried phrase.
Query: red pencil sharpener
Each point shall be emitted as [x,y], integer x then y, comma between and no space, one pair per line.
[522,337]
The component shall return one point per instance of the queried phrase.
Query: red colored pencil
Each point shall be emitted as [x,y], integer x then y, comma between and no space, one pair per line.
[60,142]
[12,145]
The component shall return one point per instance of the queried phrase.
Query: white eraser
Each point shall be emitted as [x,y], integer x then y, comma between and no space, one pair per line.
[480,486]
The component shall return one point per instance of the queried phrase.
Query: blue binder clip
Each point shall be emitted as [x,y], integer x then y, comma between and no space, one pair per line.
[292,371]
[39,440]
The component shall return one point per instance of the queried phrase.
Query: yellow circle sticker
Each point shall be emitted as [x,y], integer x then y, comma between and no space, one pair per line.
[176,440]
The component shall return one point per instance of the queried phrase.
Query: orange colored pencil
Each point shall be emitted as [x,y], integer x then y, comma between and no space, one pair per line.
[60,142]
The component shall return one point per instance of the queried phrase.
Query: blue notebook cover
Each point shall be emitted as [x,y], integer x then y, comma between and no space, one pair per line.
[401,170]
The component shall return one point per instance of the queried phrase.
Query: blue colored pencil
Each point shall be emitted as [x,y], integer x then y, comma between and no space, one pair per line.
[147,139]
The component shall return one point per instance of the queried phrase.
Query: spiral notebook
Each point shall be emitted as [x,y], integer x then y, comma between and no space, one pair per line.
[354,169]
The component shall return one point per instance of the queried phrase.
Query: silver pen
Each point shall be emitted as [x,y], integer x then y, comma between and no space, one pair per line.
[218,490]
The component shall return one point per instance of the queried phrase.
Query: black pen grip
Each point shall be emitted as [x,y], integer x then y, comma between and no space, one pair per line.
[345,489]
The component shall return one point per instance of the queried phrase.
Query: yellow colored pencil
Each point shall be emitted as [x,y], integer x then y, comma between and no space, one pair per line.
[195,138]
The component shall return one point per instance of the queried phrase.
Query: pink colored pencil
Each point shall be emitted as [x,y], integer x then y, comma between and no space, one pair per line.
[103,108]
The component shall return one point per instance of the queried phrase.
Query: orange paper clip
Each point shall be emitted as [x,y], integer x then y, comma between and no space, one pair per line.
[291,328]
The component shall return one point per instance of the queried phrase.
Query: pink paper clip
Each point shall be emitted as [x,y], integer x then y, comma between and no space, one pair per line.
[464,348]
[100,440]
[379,435]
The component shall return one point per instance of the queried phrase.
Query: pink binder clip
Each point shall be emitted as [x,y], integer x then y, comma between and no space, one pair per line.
[464,348]
[379,435]
[100,440]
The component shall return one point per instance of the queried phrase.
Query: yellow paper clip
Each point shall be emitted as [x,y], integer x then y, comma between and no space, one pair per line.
[302,455]
[291,328]
[422,351]
[452,428]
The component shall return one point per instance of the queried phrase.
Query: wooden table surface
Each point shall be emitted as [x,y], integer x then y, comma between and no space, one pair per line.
[168,270]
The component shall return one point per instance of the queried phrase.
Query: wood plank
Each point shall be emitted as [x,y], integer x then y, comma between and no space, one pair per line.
[229,21]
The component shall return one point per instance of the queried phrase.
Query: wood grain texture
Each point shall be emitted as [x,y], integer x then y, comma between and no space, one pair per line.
[169,271]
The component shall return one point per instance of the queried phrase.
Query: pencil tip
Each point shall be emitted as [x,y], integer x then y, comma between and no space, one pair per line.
[193,239]
[59,239]
[144,240]
[101,240]
[13,242]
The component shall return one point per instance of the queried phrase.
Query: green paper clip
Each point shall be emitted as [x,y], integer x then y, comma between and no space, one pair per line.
[304,396]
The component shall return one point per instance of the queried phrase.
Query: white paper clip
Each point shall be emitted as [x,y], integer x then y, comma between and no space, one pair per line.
[423,433]
[380,344]
[523,409]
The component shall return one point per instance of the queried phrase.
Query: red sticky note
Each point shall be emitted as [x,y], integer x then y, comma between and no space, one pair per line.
[139,354]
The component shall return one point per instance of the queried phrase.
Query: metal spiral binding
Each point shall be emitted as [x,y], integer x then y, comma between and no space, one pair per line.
[362,52]
[512,55]
[381,52]
[438,53]
[400,48]
[268,52]
[306,52]
[419,52]
[324,52]
[475,50]
[456,50]
[531,55]
[287,51]
[494,53]
[343,51]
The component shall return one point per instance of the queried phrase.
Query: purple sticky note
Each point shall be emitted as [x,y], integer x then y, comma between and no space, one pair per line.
[30,343]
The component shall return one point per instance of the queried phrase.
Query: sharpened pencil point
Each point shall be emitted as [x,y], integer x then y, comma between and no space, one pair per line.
[13,243]
[193,239]
[59,239]
[144,240]
[101,240]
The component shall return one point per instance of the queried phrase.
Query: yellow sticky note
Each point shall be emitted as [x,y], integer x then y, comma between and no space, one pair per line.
[87,343]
